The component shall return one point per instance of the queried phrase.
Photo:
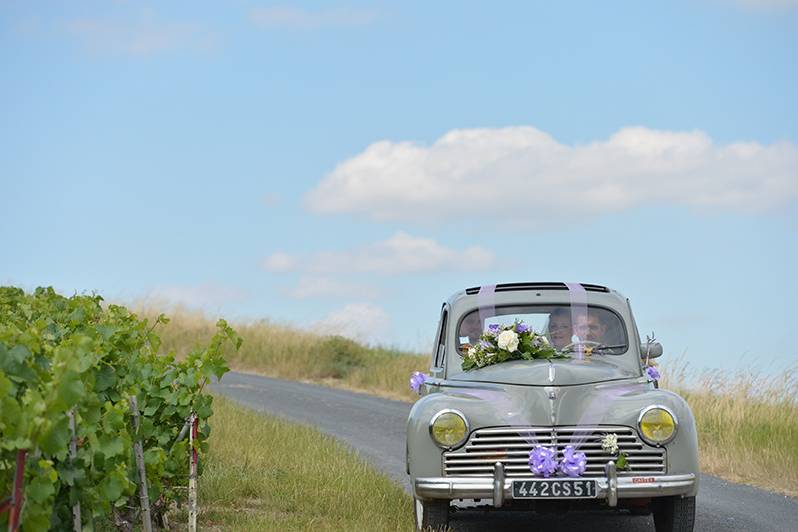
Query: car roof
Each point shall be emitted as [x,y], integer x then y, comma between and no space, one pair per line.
[550,290]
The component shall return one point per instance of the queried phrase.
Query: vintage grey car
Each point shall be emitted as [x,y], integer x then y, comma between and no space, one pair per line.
[472,433]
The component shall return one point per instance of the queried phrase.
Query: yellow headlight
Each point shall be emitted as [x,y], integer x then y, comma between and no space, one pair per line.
[448,428]
[657,425]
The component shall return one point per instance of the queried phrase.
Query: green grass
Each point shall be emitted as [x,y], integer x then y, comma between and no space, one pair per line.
[262,473]
[747,423]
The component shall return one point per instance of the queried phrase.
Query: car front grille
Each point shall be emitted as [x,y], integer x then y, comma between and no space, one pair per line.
[511,447]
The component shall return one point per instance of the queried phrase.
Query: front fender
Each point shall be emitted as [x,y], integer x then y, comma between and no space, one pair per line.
[483,405]
[683,449]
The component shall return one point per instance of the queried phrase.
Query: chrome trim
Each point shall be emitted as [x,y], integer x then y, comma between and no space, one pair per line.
[482,487]
[498,485]
[465,421]
[612,484]
[511,447]
[675,425]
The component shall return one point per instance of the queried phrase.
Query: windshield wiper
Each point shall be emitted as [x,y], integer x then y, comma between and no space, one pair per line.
[596,348]
[601,348]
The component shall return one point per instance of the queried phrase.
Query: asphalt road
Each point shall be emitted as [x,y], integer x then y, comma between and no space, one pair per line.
[375,427]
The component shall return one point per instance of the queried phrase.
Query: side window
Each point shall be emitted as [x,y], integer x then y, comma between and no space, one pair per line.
[440,342]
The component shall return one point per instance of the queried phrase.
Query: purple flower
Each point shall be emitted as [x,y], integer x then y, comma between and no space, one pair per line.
[652,373]
[494,328]
[573,464]
[521,327]
[484,344]
[417,379]
[543,461]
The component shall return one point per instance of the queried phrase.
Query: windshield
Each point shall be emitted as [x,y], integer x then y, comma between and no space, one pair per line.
[594,328]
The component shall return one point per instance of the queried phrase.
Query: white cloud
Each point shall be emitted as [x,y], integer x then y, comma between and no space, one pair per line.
[139,35]
[304,19]
[280,262]
[401,253]
[522,173]
[202,296]
[314,287]
[359,321]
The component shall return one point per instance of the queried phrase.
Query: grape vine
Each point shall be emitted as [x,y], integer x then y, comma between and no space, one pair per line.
[76,356]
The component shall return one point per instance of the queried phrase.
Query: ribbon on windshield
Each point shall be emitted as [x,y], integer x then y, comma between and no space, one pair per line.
[512,409]
[598,409]
[509,408]
[578,296]
[486,299]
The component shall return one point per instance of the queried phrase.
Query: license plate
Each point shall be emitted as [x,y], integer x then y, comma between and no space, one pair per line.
[554,489]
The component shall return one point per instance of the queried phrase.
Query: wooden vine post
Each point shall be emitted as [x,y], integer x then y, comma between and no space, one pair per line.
[144,498]
[192,474]
[73,454]
[14,503]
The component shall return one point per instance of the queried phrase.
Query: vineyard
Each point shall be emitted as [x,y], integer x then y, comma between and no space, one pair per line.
[95,422]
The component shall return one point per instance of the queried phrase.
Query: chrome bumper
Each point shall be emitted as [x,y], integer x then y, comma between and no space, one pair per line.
[499,489]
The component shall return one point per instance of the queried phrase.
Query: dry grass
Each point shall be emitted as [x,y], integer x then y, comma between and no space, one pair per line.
[263,473]
[747,424]
[282,352]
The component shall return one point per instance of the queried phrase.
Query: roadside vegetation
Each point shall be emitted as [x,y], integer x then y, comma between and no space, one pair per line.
[747,424]
[279,351]
[263,473]
[84,389]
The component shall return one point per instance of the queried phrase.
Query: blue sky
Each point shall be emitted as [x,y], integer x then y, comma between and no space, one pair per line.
[347,166]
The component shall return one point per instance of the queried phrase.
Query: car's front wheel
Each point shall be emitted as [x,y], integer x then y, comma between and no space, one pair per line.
[674,514]
[431,514]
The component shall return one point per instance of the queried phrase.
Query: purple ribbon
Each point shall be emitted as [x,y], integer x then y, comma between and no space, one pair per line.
[578,296]
[486,299]
[597,410]
[573,464]
[543,461]
[417,380]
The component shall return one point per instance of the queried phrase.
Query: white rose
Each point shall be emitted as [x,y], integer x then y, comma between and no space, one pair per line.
[508,340]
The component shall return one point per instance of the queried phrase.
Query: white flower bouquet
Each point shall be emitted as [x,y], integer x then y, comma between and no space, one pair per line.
[501,343]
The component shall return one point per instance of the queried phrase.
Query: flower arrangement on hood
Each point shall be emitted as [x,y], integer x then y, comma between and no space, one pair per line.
[501,343]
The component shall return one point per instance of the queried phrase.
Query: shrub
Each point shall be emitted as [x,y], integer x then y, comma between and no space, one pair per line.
[339,356]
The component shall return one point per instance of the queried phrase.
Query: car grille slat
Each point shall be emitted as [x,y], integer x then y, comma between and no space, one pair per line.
[511,446]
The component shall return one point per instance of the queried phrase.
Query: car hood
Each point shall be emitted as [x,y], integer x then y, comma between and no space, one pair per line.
[549,372]
[617,402]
